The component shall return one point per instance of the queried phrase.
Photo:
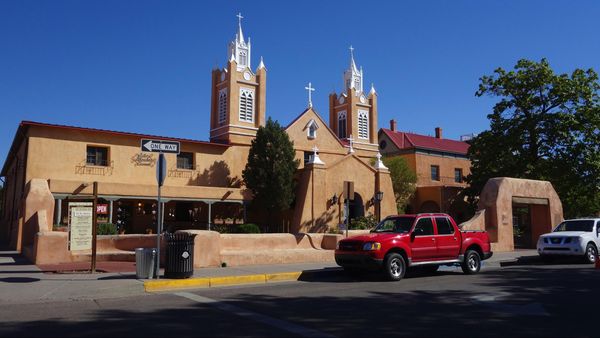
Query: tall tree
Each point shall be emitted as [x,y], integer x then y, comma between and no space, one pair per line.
[403,181]
[270,168]
[545,126]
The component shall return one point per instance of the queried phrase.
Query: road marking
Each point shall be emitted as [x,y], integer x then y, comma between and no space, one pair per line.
[257,317]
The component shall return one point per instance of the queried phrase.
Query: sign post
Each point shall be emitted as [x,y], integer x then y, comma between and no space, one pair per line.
[161,147]
[348,195]
[94,226]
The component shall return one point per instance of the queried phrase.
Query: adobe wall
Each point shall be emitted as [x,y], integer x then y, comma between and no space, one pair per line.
[210,248]
[496,199]
[61,155]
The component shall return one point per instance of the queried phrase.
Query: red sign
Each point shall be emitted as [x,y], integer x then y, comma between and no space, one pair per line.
[102,209]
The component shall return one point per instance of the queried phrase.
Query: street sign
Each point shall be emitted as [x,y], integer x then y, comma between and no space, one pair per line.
[161,169]
[158,146]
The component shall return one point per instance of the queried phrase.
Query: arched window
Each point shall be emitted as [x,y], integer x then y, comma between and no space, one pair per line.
[363,124]
[342,124]
[246,105]
[222,105]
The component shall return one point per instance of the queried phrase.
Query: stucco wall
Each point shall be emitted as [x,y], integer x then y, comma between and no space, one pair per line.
[61,155]
[497,200]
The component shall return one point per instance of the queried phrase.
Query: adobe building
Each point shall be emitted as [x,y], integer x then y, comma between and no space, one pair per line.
[440,164]
[515,212]
[49,166]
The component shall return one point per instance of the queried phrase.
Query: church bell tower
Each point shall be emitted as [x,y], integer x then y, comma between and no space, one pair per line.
[238,95]
[353,113]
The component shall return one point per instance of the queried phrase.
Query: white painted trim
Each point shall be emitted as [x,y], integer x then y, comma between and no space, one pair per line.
[234,125]
[367,143]
[248,83]
[234,133]
[364,105]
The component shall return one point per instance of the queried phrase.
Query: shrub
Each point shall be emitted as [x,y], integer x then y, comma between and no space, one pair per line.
[107,229]
[363,223]
[248,228]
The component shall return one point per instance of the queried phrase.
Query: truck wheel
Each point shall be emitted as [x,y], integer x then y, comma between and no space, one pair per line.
[472,263]
[591,253]
[394,267]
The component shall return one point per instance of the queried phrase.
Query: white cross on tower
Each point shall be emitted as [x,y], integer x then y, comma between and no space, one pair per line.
[351,51]
[351,141]
[310,89]
[240,17]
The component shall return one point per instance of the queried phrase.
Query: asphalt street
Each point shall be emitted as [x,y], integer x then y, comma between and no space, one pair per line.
[526,298]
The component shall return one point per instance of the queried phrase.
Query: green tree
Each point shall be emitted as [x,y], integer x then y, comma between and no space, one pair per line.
[403,181]
[270,168]
[545,126]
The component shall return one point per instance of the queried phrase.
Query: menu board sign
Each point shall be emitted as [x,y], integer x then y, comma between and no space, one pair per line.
[80,225]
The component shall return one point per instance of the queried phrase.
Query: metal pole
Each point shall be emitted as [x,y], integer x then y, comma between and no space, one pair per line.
[94,227]
[347,213]
[158,229]
[209,214]
[58,216]
[110,213]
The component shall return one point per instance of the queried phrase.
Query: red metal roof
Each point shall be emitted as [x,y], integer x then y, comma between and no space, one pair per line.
[404,140]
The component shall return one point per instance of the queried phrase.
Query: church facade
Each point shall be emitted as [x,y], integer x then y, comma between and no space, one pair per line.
[50,166]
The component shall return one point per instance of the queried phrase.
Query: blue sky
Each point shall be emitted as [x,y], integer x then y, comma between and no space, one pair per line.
[144,66]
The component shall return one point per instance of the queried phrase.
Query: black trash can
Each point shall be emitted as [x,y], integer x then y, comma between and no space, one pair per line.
[179,255]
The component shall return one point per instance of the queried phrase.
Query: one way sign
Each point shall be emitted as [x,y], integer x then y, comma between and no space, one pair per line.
[158,146]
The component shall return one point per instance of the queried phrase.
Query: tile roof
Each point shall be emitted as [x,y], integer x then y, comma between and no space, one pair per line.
[404,140]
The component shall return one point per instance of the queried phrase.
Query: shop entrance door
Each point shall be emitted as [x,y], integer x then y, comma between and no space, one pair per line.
[522,226]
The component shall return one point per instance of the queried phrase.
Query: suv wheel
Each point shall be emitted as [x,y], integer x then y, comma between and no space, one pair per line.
[395,266]
[591,253]
[472,262]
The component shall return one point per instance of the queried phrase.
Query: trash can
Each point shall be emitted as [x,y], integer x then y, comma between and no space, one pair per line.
[179,256]
[145,261]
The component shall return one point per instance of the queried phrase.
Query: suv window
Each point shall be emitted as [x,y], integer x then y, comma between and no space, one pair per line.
[576,225]
[424,227]
[444,226]
[398,224]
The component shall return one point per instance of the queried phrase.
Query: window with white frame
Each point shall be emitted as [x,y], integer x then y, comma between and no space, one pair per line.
[222,105]
[246,105]
[342,124]
[243,58]
[363,124]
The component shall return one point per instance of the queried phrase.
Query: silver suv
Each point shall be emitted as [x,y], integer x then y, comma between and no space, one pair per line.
[574,237]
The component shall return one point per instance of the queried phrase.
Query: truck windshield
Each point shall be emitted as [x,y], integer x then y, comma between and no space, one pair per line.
[580,225]
[395,224]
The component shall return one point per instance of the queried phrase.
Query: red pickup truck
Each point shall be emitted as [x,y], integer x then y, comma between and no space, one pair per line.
[427,240]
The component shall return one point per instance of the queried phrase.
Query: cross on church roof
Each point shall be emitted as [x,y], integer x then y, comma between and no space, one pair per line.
[240,17]
[310,89]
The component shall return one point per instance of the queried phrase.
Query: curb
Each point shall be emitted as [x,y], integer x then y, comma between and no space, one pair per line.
[209,282]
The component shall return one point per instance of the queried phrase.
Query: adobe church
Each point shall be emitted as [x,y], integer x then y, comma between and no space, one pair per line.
[49,166]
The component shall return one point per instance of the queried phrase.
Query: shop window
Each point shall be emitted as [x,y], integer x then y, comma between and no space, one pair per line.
[183,211]
[97,156]
[185,161]
[435,172]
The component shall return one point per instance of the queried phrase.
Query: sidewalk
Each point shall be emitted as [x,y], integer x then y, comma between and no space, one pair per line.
[22,282]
